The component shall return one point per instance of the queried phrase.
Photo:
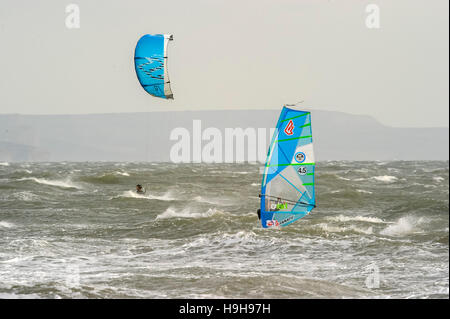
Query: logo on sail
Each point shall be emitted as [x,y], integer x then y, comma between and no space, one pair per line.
[289,130]
[271,223]
[300,157]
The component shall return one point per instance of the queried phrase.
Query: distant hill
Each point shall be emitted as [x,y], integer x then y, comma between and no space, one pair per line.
[145,136]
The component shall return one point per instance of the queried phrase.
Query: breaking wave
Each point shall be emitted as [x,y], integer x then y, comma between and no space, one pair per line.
[132,194]
[403,226]
[186,213]
[58,183]
[385,178]
[342,218]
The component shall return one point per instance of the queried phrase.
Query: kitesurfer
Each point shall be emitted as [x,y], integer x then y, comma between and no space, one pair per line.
[139,189]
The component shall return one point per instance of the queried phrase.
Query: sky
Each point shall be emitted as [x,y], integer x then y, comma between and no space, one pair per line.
[226,54]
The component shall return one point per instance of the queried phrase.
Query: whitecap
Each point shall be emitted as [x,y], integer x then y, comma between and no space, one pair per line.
[342,218]
[186,213]
[4,224]
[403,226]
[132,194]
[385,178]
[335,229]
[4,164]
[67,183]
[122,173]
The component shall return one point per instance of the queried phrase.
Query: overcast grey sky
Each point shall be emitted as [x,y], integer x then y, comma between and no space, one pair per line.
[255,54]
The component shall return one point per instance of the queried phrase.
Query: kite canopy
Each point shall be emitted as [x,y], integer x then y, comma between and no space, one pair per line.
[287,189]
[150,61]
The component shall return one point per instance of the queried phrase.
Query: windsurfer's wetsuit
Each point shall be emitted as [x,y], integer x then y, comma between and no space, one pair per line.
[259,213]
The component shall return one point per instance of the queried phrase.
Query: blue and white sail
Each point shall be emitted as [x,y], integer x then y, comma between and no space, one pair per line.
[287,189]
[150,61]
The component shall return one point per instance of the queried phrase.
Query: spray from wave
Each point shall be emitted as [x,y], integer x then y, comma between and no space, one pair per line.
[403,226]
[186,213]
[342,218]
[132,194]
[67,183]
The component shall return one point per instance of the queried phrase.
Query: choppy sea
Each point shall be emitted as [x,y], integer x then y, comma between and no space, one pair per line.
[78,230]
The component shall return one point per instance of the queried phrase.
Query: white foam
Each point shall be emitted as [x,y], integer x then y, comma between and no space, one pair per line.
[59,183]
[4,164]
[186,213]
[342,218]
[255,184]
[122,173]
[403,226]
[363,191]
[385,178]
[335,229]
[438,179]
[132,194]
[4,224]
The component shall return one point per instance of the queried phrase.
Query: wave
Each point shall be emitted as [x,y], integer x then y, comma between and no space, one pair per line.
[342,218]
[363,191]
[4,224]
[132,194]
[343,178]
[186,213]
[122,173]
[67,183]
[102,179]
[404,226]
[350,229]
[438,179]
[385,178]
[4,164]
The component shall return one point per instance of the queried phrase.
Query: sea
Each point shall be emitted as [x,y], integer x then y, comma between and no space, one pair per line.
[79,230]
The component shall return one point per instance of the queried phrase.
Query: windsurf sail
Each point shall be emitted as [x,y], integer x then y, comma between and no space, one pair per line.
[150,62]
[287,188]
